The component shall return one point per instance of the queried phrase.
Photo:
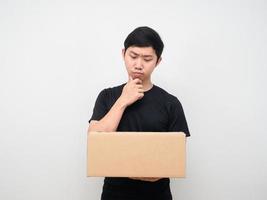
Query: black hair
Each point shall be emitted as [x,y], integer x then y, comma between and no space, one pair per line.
[145,37]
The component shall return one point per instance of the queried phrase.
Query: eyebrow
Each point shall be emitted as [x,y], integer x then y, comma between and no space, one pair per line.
[136,54]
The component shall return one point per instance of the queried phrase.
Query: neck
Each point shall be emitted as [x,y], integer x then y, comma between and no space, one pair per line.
[147,85]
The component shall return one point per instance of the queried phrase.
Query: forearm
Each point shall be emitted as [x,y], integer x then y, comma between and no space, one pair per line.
[111,120]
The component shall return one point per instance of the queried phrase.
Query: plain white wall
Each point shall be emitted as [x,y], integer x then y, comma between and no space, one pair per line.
[56,56]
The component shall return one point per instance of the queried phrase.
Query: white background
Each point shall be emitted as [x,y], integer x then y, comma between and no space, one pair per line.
[56,56]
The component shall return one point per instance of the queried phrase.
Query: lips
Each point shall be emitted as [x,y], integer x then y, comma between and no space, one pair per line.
[137,74]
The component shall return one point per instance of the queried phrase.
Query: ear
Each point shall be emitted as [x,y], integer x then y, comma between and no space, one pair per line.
[159,61]
[123,52]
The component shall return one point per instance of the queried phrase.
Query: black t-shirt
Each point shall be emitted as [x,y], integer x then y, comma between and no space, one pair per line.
[157,111]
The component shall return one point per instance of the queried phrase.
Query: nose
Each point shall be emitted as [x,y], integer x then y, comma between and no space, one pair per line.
[138,64]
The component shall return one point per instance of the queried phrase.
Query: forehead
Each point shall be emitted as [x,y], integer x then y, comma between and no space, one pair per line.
[145,51]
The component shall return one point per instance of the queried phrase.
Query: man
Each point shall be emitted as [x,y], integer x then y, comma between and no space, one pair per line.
[138,105]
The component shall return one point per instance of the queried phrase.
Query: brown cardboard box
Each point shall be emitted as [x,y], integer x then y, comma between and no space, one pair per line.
[136,154]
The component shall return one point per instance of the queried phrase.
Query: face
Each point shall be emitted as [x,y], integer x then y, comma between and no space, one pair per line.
[140,62]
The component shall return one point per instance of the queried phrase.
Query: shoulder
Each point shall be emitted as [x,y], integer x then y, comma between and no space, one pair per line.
[111,94]
[114,90]
[168,97]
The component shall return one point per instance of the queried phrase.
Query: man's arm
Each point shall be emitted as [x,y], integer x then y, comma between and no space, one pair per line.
[131,92]
[111,120]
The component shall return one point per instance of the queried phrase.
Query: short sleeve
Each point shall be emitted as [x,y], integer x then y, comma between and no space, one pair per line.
[100,108]
[177,120]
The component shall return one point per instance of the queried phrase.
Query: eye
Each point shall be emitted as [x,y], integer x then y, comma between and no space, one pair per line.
[133,57]
[148,60]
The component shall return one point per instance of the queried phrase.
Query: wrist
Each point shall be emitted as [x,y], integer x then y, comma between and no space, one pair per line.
[121,103]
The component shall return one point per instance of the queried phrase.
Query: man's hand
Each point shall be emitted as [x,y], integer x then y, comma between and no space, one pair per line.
[150,179]
[132,91]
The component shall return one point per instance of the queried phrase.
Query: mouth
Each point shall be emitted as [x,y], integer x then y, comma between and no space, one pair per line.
[137,74]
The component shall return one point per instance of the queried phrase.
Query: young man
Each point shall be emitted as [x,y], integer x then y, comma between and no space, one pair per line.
[138,105]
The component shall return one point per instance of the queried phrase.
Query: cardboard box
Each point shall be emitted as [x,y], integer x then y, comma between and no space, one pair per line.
[136,154]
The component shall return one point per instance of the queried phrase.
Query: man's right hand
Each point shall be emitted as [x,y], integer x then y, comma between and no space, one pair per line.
[150,179]
[132,91]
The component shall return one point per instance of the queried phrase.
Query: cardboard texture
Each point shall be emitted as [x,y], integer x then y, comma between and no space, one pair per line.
[136,154]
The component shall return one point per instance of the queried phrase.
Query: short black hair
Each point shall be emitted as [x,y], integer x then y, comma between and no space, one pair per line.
[145,37]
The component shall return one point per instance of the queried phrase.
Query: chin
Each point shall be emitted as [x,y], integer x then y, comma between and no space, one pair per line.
[139,77]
